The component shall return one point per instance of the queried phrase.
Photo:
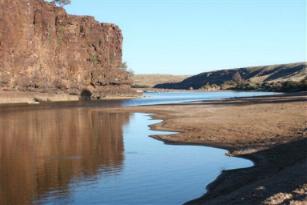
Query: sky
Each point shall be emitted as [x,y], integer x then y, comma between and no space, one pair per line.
[194,36]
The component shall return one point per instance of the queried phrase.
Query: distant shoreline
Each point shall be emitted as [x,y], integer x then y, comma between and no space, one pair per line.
[19,98]
[279,78]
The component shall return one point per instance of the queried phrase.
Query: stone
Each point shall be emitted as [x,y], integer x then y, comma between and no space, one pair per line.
[44,49]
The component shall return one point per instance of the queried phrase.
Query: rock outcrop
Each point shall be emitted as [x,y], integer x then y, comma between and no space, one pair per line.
[44,49]
[231,78]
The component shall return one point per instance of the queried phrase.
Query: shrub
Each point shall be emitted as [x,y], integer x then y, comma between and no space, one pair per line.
[61,2]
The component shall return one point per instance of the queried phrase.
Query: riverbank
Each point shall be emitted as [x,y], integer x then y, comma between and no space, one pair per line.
[17,97]
[269,130]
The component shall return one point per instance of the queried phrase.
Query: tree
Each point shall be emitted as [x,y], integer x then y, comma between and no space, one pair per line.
[61,2]
[131,72]
[124,66]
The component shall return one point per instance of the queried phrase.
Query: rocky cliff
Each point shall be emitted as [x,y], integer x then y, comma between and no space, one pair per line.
[249,78]
[44,49]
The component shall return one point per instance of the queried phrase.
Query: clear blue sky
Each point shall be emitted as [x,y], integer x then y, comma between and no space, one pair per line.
[193,36]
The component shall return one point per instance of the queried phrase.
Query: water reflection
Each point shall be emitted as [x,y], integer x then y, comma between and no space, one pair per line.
[43,151]
[67,153]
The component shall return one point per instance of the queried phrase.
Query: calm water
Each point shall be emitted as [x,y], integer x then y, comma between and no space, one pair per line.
[153,98]
[85,156]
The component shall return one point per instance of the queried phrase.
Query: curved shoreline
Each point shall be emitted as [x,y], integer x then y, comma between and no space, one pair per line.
[277,150]
[217,181]
[257,160]
[276,127]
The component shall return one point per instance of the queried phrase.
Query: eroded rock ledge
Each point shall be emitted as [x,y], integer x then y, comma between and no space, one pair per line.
[44,49]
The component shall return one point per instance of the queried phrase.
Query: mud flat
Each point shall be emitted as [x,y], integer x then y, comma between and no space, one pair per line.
[271,131]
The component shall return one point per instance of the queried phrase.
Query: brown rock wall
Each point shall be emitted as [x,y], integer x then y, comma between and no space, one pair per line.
[42,48]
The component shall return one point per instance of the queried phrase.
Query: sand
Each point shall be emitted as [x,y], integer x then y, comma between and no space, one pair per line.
[18,97]
[271,131]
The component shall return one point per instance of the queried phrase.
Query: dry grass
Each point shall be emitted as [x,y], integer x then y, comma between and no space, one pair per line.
[150,80]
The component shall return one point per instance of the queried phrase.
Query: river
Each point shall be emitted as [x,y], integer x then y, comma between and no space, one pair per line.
[80,155]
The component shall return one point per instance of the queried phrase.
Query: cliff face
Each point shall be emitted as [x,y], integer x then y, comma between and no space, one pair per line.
[42,48]
[227,79]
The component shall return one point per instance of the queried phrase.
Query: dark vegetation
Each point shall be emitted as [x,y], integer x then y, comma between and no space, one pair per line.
[61,2]
[280,78]
[286,86]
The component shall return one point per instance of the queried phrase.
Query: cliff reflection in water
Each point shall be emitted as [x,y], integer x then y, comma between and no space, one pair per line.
[43,151]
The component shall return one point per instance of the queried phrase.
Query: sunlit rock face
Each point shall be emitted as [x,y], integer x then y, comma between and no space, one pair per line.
[42,48]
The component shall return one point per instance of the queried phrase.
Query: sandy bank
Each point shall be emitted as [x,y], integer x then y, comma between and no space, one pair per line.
[16,97]
[269,130]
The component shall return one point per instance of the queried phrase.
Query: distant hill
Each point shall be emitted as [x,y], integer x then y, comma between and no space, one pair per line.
[150,80]
[259,77]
